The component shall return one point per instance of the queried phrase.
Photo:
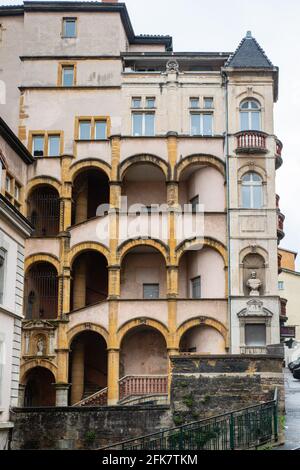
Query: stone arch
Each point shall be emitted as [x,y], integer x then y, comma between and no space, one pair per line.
[89,164]
[42,258]
[144,158]
[253,167]
[126,246]
[37,181]
[76,330]
[202,320]
[136,322]
[199,159]
[254,95]
[29,365]
[206,242]
[248,250]
[80,248]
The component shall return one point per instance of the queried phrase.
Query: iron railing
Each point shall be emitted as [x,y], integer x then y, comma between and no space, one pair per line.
[242,429]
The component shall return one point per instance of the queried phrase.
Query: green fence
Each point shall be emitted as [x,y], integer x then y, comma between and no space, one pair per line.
[242,429]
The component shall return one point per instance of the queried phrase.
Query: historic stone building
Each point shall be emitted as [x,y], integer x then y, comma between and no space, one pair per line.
[106,114]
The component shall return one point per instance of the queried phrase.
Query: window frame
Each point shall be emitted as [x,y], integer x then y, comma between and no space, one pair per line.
[93,120]
[46,135]
[192,280]
[3,255]
[201,114]
[150,284]
[249,324]
[64,21]
[143,113]
[250,185]
[250,111]
[61,67]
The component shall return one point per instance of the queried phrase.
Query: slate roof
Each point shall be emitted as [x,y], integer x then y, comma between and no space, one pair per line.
[249,54]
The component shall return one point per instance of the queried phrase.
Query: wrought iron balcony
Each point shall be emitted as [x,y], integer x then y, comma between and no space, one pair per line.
[251,142]
[278,152]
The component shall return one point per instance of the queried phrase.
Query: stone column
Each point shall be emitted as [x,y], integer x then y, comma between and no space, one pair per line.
[77,373]
[21,397]
[82,204]
[113,376]
[62,394]
[79,293]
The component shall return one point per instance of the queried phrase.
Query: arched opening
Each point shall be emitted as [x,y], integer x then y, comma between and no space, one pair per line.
[204,185]
[144,183]
[143,274]
[254,268]
[89,283]
[41,291]
[202,339]
[143,362]
[43,211]
[90,190]
[87,365]
[39,388]
[201,274]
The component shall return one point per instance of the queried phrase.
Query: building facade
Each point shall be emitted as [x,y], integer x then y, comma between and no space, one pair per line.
[14,229]
[112,118]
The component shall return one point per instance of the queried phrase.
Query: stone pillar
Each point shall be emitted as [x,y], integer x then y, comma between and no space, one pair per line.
[21,397]
[77,387]
[82,204]
[113,376]
[114,282]
[79,285]
[62,394]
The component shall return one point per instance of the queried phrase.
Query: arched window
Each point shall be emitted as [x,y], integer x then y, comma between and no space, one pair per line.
[250,116]
[252,192]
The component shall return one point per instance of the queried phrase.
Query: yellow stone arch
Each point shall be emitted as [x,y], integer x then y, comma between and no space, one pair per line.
[205,241]
[41,258]
[126,246]
[83,327]
[37,181]
[144,158]
[142,321]
[199,159]
[86,164]
[202,320]
[86,246]
[39,362]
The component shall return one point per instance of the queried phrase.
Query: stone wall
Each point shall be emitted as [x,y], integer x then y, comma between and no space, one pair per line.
[203,386]
[84,428]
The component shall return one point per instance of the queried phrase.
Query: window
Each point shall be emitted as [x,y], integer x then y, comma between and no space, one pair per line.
[250,116]
[2,273]
[196,287]
[201,124]
[208,103]
[151,291]
[255,335]
[136,102]
[150,103]
[194,102]
[100,130]
[194,203]
[143,124]
[68,75]
[8,184]
[252,192]
[85,130]
[53,145]
[69,27]
[2,362]
[280,285]
[17,191]
[38,145]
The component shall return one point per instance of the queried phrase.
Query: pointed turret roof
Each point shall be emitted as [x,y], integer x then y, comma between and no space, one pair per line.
[249,54]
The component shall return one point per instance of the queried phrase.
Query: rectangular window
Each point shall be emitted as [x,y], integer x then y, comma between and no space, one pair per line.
[17,191]
[136,103]
[201,124]
[194,102]
[255,335]
[85,130]
[143,124]
[196,287]
[38,145]
[208,103]
[150,103]
[68,75]
[53,145]
[100,130]
[69,28]
[151,291]
[8,184]
[194,203]
[2,273]
[280,285]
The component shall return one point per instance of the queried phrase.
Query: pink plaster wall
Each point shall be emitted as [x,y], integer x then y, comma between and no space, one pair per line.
[205,339]
[208,184]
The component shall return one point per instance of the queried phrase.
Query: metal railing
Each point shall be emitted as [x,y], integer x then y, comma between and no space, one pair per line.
[242,429]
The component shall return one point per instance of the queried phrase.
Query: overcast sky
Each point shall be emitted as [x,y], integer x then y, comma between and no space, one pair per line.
[218,25]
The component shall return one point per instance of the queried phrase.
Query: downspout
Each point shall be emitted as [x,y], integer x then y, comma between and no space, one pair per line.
[226,151]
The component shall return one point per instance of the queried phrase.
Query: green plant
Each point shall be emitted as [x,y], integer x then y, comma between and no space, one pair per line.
[206,398]
[178,420]
[90,437]
[188,400]
[266,447]
[282,422]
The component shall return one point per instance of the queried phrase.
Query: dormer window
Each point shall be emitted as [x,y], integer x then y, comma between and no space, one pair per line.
[69,27]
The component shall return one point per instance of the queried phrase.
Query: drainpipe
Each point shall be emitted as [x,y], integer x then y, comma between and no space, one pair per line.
[226,151]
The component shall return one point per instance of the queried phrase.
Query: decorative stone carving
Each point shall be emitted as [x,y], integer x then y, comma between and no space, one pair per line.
[40,345]
[255,308]
[172,66]
[254,284]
